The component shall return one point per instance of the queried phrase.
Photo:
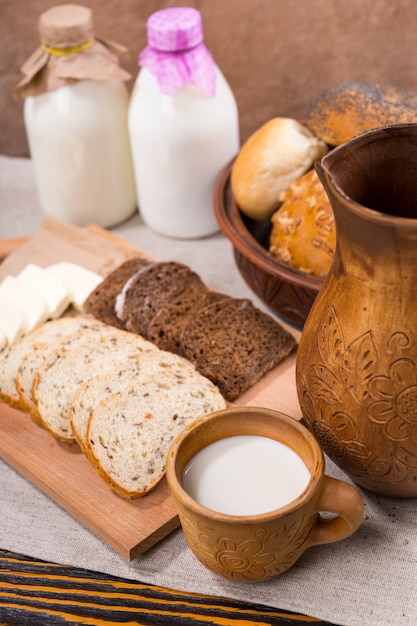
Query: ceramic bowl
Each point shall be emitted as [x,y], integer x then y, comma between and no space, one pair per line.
[285,290]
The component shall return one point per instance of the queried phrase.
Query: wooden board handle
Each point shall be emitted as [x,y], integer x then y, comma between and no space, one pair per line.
[9,245]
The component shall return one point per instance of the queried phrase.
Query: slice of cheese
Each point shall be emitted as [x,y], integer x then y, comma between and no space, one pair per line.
[28,301]
[80,281]
[11,320]
[3,339]
[52,289]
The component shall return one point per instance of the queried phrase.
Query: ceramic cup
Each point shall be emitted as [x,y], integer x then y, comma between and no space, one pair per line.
[252,548]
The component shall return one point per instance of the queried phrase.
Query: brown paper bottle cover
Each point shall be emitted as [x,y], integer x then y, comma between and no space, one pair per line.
[69,52]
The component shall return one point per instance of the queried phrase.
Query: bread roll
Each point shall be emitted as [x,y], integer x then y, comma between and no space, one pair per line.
[346,109]
[271,159]
[303,230]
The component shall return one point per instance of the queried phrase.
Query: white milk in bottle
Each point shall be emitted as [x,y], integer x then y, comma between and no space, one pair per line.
[183,126]
[75,114]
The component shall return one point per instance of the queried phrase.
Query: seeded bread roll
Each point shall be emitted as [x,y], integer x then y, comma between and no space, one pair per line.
[101,302]
[344,110]
[102,386]
[303,231]
[130,433]
[234,344]
[147,290]
[66,368]
[270,160]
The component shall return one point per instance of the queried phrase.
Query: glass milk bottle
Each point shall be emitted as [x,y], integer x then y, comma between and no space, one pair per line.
[183,126]
[75,113]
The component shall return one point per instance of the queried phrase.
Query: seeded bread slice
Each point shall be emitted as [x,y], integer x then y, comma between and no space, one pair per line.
[101,302]
[66,368]
[11,357]
[147,290]
[234,344]
[50,336]
[90,393]
[166,326]
[130,433]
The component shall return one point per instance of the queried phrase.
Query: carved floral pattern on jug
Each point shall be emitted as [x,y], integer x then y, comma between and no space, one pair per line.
[361,403]
[261,556]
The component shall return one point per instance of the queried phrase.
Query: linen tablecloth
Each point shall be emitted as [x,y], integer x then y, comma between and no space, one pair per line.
[369,578]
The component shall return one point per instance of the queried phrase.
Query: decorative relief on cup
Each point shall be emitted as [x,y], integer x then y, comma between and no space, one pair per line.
[264,555]
[354,395]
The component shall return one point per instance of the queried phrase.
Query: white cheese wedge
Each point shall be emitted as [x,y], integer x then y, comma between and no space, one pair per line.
[52,289]
[79,281]
[28,301]
[3,339]
[11,320]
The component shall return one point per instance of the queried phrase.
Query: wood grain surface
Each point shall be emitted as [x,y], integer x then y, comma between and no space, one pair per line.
[60,470]
[40,593]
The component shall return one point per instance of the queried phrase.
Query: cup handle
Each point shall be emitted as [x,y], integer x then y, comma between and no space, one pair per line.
[346,502]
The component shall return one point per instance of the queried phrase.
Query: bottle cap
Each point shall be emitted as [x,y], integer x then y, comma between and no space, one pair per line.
[174,29]
[66,25]
[69,52]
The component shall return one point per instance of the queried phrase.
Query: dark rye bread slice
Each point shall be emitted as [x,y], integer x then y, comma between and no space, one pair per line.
[234,344]
[101,302]
[147,290]
[166,326]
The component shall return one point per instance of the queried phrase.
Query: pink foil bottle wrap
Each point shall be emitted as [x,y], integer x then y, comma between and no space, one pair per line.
[176,54]
[183,124]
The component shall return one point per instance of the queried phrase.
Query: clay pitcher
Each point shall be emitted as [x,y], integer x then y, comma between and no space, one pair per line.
[356,371]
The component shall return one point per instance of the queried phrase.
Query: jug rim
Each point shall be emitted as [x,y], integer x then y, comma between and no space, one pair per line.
[375,134]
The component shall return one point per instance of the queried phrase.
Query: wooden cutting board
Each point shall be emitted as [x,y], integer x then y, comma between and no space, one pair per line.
[62,472]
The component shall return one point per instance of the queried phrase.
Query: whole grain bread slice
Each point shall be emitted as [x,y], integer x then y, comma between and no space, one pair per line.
[130,432]
[101,302]
[234,344]
[123,377]
[147,290]
[12,356]
[67,367]
[39,344]
[166,326]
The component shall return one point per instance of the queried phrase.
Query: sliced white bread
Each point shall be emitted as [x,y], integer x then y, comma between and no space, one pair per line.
[68,367]
[130,433]
[37,345]
[90,393]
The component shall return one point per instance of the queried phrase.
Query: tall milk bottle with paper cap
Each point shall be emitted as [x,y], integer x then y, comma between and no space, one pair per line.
[183,126]
[75,113]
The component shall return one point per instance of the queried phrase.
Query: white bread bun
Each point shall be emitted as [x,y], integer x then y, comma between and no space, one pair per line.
[271,159]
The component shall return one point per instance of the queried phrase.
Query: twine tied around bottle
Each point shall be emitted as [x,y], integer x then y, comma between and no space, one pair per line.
[63,52]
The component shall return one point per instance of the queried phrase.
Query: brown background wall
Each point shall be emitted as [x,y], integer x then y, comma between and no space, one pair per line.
[276,54]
